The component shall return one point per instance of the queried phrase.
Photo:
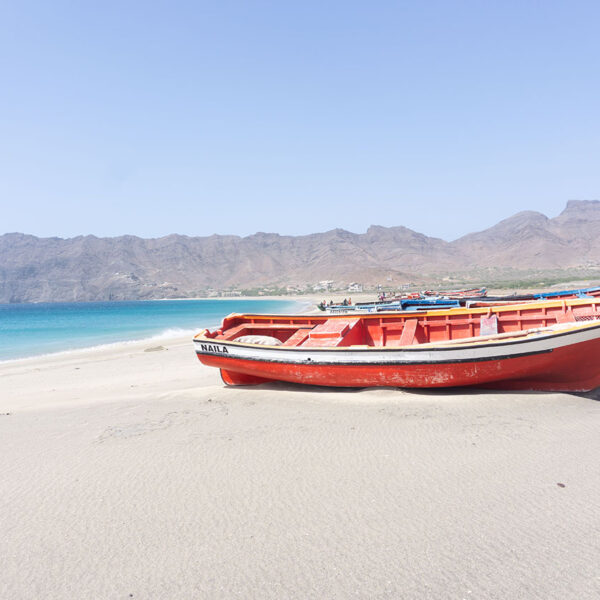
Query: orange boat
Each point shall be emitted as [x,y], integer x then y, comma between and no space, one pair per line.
[552,345]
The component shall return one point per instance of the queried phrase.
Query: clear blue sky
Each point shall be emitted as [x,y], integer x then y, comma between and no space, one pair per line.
[151,118]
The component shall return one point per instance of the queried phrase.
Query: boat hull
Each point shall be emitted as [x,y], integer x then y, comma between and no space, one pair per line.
[568,361]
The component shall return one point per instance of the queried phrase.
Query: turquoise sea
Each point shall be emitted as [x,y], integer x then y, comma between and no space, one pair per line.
[36,329]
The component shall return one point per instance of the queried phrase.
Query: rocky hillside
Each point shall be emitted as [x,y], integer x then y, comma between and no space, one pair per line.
[128,267]
[530,240]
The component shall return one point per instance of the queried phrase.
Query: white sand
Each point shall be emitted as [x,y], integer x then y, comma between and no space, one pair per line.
[127,473]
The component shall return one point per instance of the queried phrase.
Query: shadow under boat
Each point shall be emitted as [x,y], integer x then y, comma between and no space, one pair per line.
[296,388]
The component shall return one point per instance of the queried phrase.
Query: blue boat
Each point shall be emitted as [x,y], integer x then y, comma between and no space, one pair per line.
[395,305]
[578,293]
[429,302]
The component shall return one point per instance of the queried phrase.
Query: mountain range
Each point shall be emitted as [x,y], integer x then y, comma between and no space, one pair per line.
[83,268]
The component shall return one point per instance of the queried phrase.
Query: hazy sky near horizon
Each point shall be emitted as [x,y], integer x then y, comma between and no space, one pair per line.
[150,118]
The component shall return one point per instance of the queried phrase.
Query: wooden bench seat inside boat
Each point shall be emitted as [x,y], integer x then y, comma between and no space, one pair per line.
[488,325]
[335,332]
[407,336]
[298,338]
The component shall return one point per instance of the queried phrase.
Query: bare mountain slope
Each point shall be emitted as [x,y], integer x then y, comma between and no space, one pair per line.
[91,268]
[532,240]
[523,240]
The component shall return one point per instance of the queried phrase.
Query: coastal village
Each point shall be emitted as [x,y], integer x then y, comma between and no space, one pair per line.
[305,289]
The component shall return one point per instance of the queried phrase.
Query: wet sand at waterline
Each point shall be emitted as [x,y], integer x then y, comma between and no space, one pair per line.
[129,473]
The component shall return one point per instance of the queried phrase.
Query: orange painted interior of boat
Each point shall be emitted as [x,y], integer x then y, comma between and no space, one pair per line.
[401,329]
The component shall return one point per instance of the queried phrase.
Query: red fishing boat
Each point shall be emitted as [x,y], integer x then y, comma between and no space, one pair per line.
[552,345]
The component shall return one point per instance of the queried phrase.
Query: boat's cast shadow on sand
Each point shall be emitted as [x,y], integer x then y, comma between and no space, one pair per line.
[592,395]
[296,388]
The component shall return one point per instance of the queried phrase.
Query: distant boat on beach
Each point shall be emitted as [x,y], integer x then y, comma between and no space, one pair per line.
[547,345]
[426,300]
[468,293]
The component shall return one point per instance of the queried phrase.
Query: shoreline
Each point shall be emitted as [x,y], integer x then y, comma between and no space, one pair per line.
[77,353]
[163,336]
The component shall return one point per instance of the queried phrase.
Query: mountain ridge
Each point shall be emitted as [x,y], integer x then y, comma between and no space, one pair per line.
[88,267]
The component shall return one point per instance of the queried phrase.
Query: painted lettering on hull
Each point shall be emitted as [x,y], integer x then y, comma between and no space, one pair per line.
[214,349]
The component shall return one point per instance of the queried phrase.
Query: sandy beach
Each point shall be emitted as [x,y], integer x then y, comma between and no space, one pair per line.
[132,472]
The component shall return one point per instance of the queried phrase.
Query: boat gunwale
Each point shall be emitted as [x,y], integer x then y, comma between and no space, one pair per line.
[392,363]
[570,328]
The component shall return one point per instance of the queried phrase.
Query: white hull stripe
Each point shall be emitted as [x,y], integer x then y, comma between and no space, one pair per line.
[410,355]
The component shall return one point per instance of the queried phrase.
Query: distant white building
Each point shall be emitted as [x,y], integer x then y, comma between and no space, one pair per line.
[295,289]
[355,287]
[325,285]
